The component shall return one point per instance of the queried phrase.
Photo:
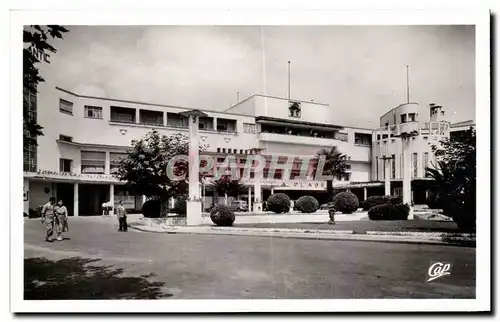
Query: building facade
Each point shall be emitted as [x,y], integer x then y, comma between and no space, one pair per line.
[85,136]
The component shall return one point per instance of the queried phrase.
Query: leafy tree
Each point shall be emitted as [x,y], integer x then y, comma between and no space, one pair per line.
[455,179]
[145,166]
[228,187]
[36,43]
[335,165]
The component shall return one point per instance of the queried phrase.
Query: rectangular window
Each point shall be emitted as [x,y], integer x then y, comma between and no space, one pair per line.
[65,165]
[65,138]
[340,136]
[218,149]
[393,167]
[93,112]
[249,128]
[29,157]
[114,161]
[176,120]
[403,118]
[362,139]
[415,165]
[65,106]
[411,117]
[93,162]
[241,151]
[425,162]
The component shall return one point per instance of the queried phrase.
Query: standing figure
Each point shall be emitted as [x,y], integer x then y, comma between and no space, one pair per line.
[122,216]
[61,219]
[48,218]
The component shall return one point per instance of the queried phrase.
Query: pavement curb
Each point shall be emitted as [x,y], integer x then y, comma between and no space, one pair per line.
[374,236]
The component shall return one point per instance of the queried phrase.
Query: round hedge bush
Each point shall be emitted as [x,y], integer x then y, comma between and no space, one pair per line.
[389,211]
[278,203]
[221,215]
[346,202]
[373,201]
[307,204]
[152,209]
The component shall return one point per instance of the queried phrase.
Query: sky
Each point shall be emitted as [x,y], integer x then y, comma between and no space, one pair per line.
[360,71]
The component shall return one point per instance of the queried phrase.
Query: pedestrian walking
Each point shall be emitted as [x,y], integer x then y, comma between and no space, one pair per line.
[48,218]
[61,219]
[122,217]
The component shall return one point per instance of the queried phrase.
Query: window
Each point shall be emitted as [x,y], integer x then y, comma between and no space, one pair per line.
[425,163]
[376,166]
[411,117]
[386,124]
[393,166]
[65,165]
[176,120]
[221,160]
[249,128]
[65,138]
[340,136]
[114,161]
[29,157]
[93,112]
[93,162]
[65,106]
[362,139]
[415,165]
[426,137]
[223,150]
[229,150]
[347,177]
[218,149]
[122,114]
[241,151]
[403,118]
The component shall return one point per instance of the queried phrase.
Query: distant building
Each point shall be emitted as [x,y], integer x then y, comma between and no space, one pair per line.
[459,129]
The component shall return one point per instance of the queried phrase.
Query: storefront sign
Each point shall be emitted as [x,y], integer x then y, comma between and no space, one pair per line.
[74,176]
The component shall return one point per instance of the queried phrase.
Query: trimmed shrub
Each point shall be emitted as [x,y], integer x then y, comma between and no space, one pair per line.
[345,202]
[278,203]
[379,200]
[221,215]
[389,212]
[180,207]
[152,208]
[307,204]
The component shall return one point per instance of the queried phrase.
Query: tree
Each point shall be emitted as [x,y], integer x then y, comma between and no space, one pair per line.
[145,166]
[228,187]
[36,45]
[455,179]
[335,165]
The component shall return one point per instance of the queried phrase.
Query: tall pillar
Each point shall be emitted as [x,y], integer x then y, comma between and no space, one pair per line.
[365,193]
[249,198]
[75,200]
[26,196]
[257,204]
[387,178]
[407,174]
[194,201]
[107,163]
[112,198]
[272,190]
[137,116]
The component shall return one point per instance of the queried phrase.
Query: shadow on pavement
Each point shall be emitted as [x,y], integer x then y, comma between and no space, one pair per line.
[76,278]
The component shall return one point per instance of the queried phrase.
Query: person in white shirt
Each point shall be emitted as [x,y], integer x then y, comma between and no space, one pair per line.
[61,219]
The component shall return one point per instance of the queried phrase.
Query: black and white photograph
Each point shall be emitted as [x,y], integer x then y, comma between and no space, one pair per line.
[309,159]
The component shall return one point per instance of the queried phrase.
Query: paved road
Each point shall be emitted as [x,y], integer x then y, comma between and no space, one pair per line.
[100,262]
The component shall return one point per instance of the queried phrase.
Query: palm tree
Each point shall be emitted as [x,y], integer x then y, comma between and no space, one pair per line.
[335,165]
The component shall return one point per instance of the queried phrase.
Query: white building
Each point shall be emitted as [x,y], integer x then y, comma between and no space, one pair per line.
[84,136]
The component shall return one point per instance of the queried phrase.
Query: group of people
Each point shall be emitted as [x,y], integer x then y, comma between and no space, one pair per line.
[55,218]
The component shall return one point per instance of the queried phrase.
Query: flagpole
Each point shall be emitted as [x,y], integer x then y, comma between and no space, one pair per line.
[288,79]
[408,83]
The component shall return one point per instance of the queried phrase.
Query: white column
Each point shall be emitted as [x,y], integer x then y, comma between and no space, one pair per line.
[107,163]
[407,174]
[75,200]
[137,116]
[257,204]
[194,205]
[112,198]
[26,196]
[387,179]
[215,123]
[365,193]
[165,118]
[249,198]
